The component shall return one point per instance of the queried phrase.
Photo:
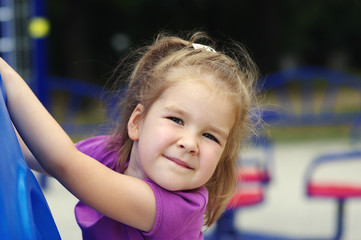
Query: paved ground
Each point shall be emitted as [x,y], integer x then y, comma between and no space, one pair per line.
[286,210]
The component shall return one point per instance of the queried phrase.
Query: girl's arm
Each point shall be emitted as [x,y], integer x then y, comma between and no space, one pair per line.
[29,157]
[123,198]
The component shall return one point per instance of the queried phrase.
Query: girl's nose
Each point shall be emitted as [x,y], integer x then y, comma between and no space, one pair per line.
[188,144]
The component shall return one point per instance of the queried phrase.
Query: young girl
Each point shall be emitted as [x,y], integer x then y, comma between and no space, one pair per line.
[170,166]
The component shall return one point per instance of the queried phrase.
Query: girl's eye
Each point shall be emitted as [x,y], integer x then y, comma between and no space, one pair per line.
[210,136]
[176,120]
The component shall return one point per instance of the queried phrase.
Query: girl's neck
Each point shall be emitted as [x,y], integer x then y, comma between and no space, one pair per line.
[134,169]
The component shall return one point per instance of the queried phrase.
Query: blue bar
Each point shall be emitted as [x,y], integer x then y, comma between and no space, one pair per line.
[39,73]
[7,33]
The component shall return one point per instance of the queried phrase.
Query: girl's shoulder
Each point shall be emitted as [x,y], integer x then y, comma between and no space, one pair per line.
[97,148]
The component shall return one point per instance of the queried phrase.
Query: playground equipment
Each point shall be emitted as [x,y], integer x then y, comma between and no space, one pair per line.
[23,39]
[23,34]
[318,92]
[321,111]
[24,212]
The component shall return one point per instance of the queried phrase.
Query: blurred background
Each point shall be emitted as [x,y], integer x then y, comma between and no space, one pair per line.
[87,38]
[67,50]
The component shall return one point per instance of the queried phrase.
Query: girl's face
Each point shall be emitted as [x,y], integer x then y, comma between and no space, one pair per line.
[179,142]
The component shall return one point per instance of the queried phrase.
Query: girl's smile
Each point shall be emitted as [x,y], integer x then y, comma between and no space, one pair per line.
[179,162]
[179,142]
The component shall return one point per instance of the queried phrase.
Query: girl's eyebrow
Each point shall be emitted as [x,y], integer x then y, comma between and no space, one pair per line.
[177,110]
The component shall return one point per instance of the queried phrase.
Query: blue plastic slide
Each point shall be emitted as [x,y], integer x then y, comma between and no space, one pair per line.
[24,212]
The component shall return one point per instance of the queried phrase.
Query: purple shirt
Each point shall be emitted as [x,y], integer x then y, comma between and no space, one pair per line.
[179,214]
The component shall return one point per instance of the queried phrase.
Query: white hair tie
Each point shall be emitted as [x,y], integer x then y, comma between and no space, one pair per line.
[201,46]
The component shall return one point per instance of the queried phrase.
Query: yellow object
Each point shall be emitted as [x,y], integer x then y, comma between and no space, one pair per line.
[39,27]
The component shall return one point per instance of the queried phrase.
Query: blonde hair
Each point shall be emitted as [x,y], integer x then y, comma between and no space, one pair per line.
[235,76]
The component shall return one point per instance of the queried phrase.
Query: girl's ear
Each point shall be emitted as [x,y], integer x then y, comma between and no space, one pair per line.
[135,122]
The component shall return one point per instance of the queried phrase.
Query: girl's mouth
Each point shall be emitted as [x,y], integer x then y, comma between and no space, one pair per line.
[179,162]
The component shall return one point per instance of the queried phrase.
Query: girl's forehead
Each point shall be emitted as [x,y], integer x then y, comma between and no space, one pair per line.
[214,86]
[181,76]
[199,89]
[193,85]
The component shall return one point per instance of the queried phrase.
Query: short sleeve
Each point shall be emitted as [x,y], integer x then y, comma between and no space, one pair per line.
[180,215]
